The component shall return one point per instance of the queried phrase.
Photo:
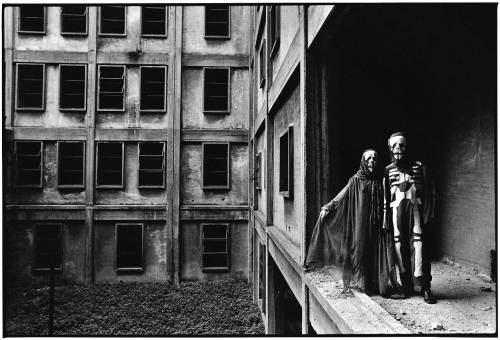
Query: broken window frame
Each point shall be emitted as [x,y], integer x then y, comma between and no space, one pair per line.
[258,171]
[17,170]
[59,252]
[84,108]
[99,170]
[274,29]
[74,33]
[153,35]
[206,22]
[286,170]
[204,164]
[204,253]
[60,170]
[164,109]
[124,34]
[124,87]
[162,170]
[19,21]
[18,83]
[228,105]
[262,64]
[127,269]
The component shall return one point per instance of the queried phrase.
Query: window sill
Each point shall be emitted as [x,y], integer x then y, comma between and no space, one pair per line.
[151,187]
[20,186]
[30,109]
[70,187]
[214,187]
[154,35]
[32,32]
[74,34]
[109,186]
[136,270]
[215,269]
[153,111]
[110,35]
[110,110]
[47,270]
[217,37]
[82,110]
[216,112]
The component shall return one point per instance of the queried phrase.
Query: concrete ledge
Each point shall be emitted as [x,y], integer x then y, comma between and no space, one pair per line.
[351,313]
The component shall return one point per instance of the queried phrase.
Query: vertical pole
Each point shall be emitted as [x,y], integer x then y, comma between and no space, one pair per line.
[51,300]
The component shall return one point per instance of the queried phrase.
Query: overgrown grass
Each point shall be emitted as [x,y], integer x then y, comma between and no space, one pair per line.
[195,308]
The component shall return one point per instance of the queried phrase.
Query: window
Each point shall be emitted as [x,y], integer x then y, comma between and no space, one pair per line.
[217,23]
[154,20]
[216,166]
[72,87]
[48,246]
[32,19]
[151,165]
[71,164]
[258,171]
[274,26]
[111,88]
[215,244]
[262,276]
[216,90]
[28,160]
[129,250]
[110,165]
[153,89]
[30,85]
[286,163]
[262,64]
[74,20]
[113,20]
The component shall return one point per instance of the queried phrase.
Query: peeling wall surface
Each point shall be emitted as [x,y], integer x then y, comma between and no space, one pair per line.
[191,253]
[287,213]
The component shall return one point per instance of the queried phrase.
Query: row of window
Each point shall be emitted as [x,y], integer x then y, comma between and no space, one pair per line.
[113,20]
[274,39]
[111,88]
[129,246]
[110,164]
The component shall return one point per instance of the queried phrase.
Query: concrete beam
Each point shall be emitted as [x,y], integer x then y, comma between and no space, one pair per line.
[212,135]
[201,60]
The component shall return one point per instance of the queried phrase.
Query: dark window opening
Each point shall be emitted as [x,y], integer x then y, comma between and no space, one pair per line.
[216,166]
[129,250]
[31,19]
[216,90]
[110,164]
[74,20]
[111,88]
[262,276]
[286,163]
[48,246]
[71,164]
[274,32]
[152,165]
[30,84]
[154,20]
[153,89]
[217,21]
[215,247]
[113,20]
[258,171]
[73,85]
[28,164]
[262,64]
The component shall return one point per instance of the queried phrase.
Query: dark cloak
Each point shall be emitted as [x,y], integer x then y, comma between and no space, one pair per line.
[350,236]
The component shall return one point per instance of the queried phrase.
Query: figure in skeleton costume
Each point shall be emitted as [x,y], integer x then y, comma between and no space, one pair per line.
[408,207]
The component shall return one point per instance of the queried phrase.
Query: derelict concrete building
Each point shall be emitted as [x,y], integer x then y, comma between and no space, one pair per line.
[329,81]
[126,142]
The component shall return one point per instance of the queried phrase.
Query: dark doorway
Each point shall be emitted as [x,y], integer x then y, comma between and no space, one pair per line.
[428,70]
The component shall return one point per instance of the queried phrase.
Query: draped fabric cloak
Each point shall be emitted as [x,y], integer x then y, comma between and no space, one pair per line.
[350,236]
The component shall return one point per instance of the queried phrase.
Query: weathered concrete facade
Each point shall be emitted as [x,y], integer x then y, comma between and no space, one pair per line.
[345,77]
[170,215]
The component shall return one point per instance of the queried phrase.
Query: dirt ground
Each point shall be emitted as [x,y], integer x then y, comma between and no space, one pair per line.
[466,304]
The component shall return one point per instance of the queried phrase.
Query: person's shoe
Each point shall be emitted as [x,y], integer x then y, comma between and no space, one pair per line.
[428,297]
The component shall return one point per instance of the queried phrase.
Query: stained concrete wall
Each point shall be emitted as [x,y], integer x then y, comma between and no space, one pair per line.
[49,193]
[289,26]
[193,33]
[192,101]
[191,178]
[19,253]
[288,213]
[52,40]
[155,253]
[191,250]
[131,194]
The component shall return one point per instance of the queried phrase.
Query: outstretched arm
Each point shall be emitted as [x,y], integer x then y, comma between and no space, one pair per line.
[333,203]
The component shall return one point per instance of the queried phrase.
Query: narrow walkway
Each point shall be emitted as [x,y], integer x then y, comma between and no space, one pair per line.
[466,304]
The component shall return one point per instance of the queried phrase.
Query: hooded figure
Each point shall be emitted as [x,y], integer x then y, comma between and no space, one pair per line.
[349,234]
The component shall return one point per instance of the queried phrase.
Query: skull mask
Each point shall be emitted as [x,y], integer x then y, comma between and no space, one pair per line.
[397,147]
[370,160]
